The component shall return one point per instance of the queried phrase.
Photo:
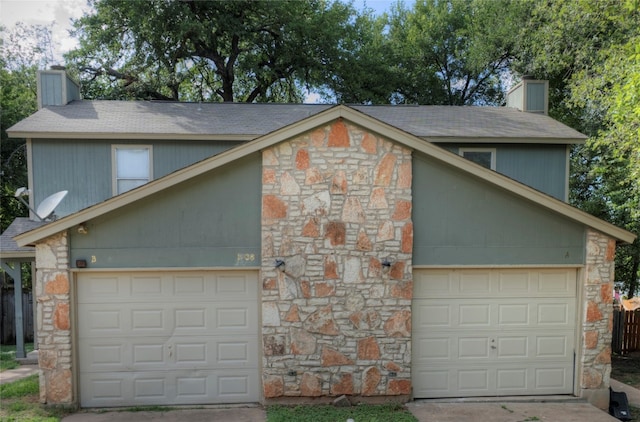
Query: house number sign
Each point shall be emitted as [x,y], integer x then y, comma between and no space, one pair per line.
[246,257]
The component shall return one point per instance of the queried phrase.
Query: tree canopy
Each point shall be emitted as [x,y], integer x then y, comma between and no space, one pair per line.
[208,51]
[590,51]
[456,52]
[23,50]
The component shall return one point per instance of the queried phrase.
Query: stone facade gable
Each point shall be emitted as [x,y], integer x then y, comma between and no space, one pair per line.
[339,215]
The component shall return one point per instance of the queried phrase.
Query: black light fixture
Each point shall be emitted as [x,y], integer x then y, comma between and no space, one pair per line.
[279,264]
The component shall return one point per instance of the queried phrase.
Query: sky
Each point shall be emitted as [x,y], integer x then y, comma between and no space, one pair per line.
[44,12]
[61,12]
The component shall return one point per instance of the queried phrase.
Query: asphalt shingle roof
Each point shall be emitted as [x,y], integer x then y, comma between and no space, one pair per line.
[8,246]
[152,118]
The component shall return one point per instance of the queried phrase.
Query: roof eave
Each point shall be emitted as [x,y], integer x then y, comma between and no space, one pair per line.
[17,255]
[503,140]
[133,136]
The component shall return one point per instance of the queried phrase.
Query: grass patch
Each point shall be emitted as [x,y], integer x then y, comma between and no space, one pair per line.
[626,369]
[326,413]
[20,402]
[19,388]
[8,356]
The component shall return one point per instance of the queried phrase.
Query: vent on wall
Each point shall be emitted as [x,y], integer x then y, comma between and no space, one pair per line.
[530,95]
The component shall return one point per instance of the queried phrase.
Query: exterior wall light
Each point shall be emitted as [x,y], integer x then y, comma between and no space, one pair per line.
[279,264]
[82,229]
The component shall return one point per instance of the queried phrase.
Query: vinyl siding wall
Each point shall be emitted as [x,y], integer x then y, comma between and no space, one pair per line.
[462,221]
[543,167]
[84,167]
[210,221]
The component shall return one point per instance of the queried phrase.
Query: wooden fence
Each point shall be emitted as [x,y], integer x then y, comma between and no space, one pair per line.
[626,330]
[7,316]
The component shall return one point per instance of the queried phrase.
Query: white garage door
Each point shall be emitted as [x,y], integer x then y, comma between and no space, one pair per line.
[167,338]
[493,332]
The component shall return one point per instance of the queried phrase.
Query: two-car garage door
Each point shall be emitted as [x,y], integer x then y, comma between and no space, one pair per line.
[167,338]
[492,332]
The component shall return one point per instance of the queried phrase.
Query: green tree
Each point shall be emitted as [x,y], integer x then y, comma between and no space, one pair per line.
[207,50]
[366,70]
[455,52]
[23,50]
[589,50]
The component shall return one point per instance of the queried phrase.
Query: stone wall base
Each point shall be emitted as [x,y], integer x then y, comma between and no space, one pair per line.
[597,397]
[294,401]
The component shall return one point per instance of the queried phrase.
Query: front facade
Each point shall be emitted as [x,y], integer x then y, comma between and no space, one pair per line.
[335,255]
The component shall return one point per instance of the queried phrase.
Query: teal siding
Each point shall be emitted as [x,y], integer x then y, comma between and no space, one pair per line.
[173,155]
[73,90]
[83,167]
[211,220]
[51,89]
[543,167]
[459,220]
[535,96]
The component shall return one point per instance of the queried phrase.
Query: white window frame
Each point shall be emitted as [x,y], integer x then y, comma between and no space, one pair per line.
[114,163]
[461,152]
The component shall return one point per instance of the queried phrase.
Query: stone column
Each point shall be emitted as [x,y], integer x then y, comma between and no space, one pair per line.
[336,208]
[597,321]
[53,322]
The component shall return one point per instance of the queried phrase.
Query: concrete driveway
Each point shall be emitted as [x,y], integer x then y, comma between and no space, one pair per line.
[234,414]
[424,411]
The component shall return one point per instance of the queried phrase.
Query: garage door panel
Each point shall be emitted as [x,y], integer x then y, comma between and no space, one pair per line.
[474,381]
[488,282]
[109,354]
[177,387]
[433,383]
[494,347]
[168,338]
[516,337]
[157,319]
[509,313]
[165,287]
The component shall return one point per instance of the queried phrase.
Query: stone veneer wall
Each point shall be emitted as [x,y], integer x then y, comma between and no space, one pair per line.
[336,202]
[597,322]
[53,322]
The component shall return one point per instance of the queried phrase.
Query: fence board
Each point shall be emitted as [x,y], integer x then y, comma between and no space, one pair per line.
[7,316]
[626,331]
[618,329]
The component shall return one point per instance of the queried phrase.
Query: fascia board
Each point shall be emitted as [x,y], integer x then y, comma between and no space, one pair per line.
[17,255]
[502,140]
[133,136]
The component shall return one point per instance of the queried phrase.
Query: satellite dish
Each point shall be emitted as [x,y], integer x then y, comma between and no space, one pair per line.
[46,207]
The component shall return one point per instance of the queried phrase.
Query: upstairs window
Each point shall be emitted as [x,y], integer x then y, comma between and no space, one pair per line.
[486,157]
[131,167]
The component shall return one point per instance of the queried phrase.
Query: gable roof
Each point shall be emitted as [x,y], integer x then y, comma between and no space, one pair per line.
[337,112]
[245,122]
